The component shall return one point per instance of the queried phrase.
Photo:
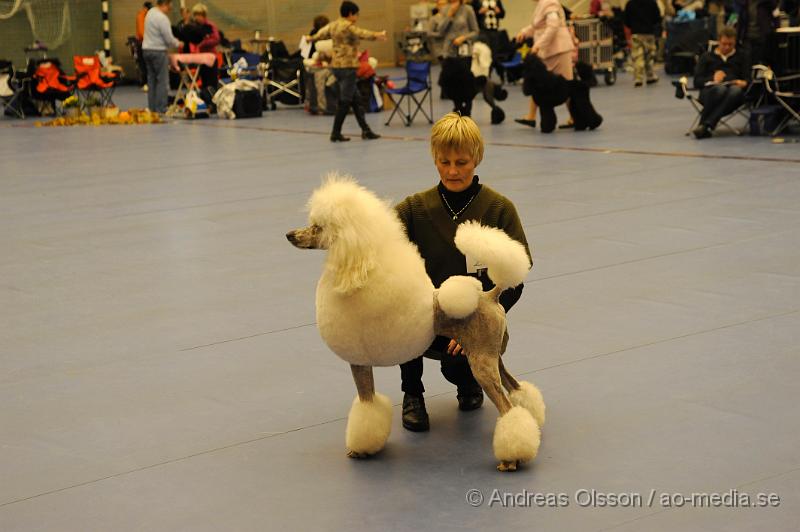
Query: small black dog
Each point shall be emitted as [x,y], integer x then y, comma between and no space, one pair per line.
[461,86]
[551,90]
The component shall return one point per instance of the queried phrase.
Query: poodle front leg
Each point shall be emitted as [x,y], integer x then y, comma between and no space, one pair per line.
[516,435]
[370,418]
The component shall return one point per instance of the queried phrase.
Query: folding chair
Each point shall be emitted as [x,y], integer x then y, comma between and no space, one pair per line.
[92,79]
[284,75]
[418,80]
[787,96]
[49,84]
[512,69]
[753,98]
[10,90]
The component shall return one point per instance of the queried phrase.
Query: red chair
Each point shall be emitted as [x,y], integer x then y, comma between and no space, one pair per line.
[49,84]
[92,79]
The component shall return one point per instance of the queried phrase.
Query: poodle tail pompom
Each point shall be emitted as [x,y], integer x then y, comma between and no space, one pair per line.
[458,296]
[506,259]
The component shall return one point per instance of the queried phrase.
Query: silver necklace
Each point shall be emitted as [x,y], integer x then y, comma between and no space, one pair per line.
[454,213]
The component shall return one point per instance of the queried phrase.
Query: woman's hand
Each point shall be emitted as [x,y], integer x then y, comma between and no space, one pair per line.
[381,36]
[520,37]
[458,41]
[454,348]
[535,49]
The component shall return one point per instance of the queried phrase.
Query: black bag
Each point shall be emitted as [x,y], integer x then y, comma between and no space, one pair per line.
[247,104]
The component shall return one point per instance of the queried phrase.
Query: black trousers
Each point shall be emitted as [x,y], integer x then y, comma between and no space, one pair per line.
[454,368]
[346,80]
[719,101]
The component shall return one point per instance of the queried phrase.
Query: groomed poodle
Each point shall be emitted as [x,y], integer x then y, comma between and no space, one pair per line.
[376,306]
[550,90]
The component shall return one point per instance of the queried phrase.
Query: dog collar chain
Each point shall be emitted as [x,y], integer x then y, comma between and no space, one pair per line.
[454,213]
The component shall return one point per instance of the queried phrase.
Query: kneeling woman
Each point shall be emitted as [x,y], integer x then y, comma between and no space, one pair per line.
[431,218]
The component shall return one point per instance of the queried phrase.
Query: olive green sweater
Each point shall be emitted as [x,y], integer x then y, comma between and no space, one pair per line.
[431,227]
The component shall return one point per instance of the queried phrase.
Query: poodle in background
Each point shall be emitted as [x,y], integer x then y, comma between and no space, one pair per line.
[376,306]
[462,78]
[550,90]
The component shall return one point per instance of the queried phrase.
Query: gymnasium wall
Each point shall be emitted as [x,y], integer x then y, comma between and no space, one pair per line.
[75,27]
[286,20]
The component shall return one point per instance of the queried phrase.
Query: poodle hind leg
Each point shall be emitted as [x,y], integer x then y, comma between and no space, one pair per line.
[370,418]
[524,394]
[516,435]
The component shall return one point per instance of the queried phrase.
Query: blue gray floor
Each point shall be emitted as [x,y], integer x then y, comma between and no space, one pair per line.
[160,369]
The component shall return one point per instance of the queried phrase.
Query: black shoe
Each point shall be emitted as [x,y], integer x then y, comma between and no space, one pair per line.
[369,135]
[525,122]
[415,417]
[638,84]
[469,399]
[702,132]
[652,80]
[339,138]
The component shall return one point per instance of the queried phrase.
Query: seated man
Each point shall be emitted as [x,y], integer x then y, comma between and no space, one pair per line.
[720,75]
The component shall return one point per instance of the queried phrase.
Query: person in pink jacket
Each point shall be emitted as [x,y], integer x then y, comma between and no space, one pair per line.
[552,42]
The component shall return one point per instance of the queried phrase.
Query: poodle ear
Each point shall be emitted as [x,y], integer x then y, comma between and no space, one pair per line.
[351,257]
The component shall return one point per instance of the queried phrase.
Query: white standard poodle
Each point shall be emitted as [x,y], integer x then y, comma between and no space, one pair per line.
[376,306]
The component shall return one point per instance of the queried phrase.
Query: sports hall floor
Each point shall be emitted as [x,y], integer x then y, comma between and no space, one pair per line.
[160,369]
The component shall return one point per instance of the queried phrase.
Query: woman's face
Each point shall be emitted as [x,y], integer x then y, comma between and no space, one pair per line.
[456,169]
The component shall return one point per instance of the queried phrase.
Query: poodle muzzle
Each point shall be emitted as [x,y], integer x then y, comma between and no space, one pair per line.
[306,238]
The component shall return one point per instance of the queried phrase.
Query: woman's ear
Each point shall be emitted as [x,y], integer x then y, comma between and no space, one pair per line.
[351,257]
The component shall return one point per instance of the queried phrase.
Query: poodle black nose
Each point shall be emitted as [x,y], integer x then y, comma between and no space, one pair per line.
[290,236]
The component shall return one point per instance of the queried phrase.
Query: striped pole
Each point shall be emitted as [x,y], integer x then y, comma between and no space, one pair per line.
[106,31]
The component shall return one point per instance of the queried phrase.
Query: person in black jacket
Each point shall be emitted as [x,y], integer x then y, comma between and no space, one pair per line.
[489,13]
[720,75]
[644,20]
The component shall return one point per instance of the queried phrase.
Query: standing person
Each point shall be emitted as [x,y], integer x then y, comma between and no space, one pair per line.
[158,39]
[552,42]
[644,20]
[489,13]
[431,218]
[435,28]
[755,27]
[457,31]
[346,36]
[201,36]
[459,28]
[139,38]
[319,22]
[720,75]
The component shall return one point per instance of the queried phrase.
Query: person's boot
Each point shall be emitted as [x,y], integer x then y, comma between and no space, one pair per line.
[338,121]
[702,132]
[415,417]
[469,398]
[368,134]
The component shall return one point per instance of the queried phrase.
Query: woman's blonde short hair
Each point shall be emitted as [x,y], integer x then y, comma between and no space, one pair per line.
[459,133]
[199,9]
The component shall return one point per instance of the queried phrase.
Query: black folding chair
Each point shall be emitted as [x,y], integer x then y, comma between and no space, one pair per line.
[786,91]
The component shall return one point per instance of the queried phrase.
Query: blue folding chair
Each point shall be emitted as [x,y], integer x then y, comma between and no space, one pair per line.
[251,72]
[418,80]
[512,68]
